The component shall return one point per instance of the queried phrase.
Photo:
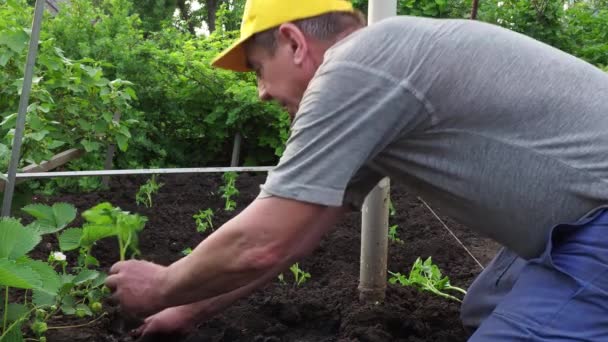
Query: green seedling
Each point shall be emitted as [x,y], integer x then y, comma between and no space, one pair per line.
[426,276]
[145,192]
[229,190]
[393,235]
[187,251]
[299,276]
[204,220]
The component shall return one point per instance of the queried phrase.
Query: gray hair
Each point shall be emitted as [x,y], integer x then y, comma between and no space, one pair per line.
[324,27]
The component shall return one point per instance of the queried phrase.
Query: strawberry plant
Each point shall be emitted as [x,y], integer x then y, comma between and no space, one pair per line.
[145,192]
[229,190]
[204,220]
[51,291]
[104,220]
[426,276]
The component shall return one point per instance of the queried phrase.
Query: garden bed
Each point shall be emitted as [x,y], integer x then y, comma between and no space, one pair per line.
[326,307]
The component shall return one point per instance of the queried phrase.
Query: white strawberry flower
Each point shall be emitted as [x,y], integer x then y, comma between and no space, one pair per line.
[58,256]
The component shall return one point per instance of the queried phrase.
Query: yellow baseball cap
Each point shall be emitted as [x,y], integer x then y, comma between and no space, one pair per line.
[261,15]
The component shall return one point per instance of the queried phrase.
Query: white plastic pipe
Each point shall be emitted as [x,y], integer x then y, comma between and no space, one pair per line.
[374,220]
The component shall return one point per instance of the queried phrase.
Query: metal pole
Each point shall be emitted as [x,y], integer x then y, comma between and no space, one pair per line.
[23,104]
[374,220]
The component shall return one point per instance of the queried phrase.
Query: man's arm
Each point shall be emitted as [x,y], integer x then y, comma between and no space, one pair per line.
[263,240]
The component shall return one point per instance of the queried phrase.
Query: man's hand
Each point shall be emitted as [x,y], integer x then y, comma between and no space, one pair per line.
[138,286]
[180,320]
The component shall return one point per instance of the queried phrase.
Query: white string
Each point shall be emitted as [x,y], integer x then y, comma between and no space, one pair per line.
[451,233]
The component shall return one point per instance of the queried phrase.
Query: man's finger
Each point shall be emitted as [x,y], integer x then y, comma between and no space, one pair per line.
[138,331]
[112,282]
[116,267]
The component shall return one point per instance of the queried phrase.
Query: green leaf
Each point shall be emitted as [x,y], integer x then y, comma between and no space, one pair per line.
[84,308]
[19,276]
[122,142]
[16,312]
[68,305]
[100,280]
[15,40]
[90,146]
[4,58]
[13,334]
[99,214]
[15,240]
[55,144]
[92,233]
[64,214]
[43,213]
[70,239]
[91,260]
[51,281]
[42,298]
[37,136]
[85,275]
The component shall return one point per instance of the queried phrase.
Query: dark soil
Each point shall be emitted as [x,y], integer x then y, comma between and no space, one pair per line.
[325,308]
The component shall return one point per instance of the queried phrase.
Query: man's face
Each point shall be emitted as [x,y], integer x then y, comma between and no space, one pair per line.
[284,75]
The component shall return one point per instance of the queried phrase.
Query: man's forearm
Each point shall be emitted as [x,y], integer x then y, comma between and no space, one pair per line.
[208,308]
[241,256]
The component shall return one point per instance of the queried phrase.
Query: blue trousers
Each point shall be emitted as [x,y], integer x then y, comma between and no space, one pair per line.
[560,296]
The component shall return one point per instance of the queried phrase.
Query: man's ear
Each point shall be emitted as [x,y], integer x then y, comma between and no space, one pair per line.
[295,40]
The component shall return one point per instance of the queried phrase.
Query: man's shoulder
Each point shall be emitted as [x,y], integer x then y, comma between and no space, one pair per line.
[404,36]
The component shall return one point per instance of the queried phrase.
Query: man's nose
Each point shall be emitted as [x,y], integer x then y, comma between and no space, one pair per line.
[262,92]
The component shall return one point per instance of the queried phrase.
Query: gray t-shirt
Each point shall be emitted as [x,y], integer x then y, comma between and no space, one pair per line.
[501,132]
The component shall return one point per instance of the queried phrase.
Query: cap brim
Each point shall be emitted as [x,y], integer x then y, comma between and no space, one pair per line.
[233,58]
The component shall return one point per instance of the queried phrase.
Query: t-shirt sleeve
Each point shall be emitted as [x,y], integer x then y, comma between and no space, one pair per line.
[348,116]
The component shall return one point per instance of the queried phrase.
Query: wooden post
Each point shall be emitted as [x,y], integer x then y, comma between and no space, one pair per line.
[56,161]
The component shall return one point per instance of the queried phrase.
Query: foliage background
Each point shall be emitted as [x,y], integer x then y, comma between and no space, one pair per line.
[149,62]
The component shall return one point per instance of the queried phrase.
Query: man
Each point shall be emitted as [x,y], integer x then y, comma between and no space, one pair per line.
[504,133]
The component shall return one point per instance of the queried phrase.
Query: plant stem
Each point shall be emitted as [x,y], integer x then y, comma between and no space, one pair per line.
[121,249]
[79,325]
[5,319]
[456,289]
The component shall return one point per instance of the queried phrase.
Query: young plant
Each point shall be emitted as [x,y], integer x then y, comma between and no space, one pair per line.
[229,190]
[104,220]
[393,235]
[299,276]
[187,251]
[145,192]
[204,220]
[426,276]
